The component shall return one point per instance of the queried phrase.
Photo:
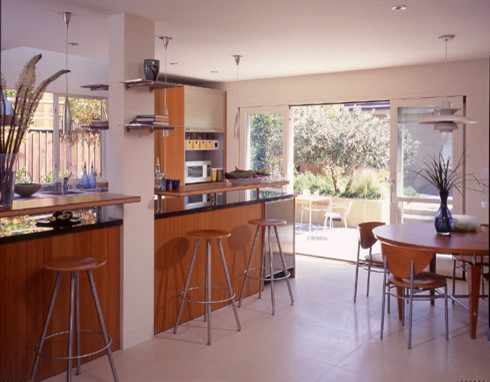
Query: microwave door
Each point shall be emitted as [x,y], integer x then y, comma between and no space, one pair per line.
[195,172]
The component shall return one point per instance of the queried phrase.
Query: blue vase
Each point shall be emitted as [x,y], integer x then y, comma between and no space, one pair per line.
[92,182]
[444,220]
[85,176]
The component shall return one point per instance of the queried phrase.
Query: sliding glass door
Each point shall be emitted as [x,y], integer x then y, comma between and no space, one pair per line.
[412,144]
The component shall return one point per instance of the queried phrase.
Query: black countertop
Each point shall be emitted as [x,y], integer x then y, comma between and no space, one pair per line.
[24,227]
[177,206]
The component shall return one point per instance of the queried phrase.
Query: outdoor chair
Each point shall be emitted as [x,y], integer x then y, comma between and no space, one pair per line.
[338,212]
[403,269]
[366,240]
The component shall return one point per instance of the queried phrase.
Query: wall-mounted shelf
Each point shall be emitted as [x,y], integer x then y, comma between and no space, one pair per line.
[147,126]
[94,87]
[150,84]
[94,126]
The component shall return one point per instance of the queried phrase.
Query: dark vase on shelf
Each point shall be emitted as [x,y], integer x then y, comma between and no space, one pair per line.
[7,179]
[152,67]
[444,220]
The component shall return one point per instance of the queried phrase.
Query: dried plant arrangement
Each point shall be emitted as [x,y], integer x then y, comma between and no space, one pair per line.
[13,127]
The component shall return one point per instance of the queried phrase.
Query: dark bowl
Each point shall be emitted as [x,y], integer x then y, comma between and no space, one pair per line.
[27,189]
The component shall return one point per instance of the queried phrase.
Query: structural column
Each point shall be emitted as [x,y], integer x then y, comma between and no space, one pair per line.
[131,40]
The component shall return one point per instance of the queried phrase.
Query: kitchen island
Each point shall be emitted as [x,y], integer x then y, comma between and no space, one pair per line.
[228,211]
[26,287]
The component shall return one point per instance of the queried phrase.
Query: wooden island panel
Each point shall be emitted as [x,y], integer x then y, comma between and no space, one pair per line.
[173,253]
[25,293]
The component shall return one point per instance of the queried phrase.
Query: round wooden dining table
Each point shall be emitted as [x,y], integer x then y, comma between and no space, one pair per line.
[424,236]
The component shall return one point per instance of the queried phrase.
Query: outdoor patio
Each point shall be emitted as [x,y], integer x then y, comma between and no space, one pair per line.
[336,243]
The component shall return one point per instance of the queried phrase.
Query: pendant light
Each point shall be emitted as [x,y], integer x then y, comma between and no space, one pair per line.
[443,118]
[237,116]
[66,120]
[166,40]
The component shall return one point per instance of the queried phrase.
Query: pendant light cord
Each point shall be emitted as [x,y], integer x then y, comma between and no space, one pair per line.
[445,72]
[66,63]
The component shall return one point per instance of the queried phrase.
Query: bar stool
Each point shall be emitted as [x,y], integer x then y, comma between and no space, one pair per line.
[208,235]
[267,224]
[74,265]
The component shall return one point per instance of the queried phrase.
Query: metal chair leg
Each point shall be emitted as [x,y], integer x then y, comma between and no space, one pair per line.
[368,279]
[186,288]
[446,313]
[357,270]
[410,312]
[228,281]
[102,325]
[383,295]
[257,231]
[454,279]
[40,345]
[284,267]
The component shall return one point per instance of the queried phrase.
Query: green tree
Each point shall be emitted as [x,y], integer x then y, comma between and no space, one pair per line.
[340,140]
[266,140]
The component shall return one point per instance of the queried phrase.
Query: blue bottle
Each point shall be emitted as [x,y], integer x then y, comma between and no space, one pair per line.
[91,179]
[85,176]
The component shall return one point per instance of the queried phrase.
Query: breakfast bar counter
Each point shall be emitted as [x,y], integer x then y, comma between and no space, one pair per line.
[228,211]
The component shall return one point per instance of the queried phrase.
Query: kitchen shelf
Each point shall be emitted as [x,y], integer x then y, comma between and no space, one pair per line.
[96,126]
[150,84]
[203,149]
[94,87]
[147,126]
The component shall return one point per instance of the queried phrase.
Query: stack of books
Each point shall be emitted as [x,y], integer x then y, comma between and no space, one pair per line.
[150,119]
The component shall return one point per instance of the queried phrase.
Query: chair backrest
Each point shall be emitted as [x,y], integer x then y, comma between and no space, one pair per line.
[366,237]
[399,259]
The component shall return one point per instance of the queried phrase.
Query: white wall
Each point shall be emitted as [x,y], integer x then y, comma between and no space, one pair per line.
[469,78]
[83,70]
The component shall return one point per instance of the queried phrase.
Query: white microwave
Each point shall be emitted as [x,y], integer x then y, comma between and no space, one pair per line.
[197,171]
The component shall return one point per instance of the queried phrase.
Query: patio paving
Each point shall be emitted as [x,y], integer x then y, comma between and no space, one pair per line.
[337,243]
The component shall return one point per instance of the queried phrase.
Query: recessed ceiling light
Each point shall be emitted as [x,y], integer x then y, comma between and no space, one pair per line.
[399,8]
[174,63]
[214,71]
[74,43]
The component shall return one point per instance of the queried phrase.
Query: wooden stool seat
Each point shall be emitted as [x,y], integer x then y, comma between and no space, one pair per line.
[209,234]
[268,222]
[73,264]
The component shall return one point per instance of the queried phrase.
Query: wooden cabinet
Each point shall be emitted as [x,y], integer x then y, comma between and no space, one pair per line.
[200,111]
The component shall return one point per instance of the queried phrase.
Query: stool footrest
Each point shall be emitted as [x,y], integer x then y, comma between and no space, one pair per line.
[75,356]
[247,271]
[207,302]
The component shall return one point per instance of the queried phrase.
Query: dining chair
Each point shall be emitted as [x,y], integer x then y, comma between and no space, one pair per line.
[464,260]
[339,212]
[403,269]
[366,240]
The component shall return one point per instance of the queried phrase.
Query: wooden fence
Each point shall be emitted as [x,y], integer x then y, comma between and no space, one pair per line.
[36,154]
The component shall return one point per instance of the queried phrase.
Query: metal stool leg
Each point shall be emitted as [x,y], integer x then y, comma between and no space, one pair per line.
[186,288]
[283,261]
[208,287]
[271,270]
[46,324]
[262,265]
[228,281]
[207,292]
[257,231]
[357,270]
[71,325]
[77,318]
[102,324]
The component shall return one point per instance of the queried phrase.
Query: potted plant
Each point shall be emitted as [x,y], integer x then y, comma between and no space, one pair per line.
[15,119]
[439,172]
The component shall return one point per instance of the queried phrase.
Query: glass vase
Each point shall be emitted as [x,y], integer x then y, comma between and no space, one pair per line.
[7,179]
[443,221]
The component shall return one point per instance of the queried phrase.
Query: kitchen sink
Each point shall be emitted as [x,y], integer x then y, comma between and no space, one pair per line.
[69,192]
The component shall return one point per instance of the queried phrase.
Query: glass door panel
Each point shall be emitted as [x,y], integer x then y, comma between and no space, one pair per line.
[413,199]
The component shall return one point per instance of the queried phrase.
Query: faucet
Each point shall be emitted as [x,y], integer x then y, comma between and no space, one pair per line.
[65,183]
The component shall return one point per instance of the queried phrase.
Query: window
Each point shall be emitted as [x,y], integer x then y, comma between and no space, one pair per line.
[44,149]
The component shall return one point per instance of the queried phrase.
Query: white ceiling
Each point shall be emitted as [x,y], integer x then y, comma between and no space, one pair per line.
[276,37]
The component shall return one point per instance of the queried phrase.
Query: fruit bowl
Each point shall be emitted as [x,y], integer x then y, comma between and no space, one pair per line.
[27,189]
[241,181]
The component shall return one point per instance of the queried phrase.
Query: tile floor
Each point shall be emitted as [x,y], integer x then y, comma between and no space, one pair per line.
[323,337]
